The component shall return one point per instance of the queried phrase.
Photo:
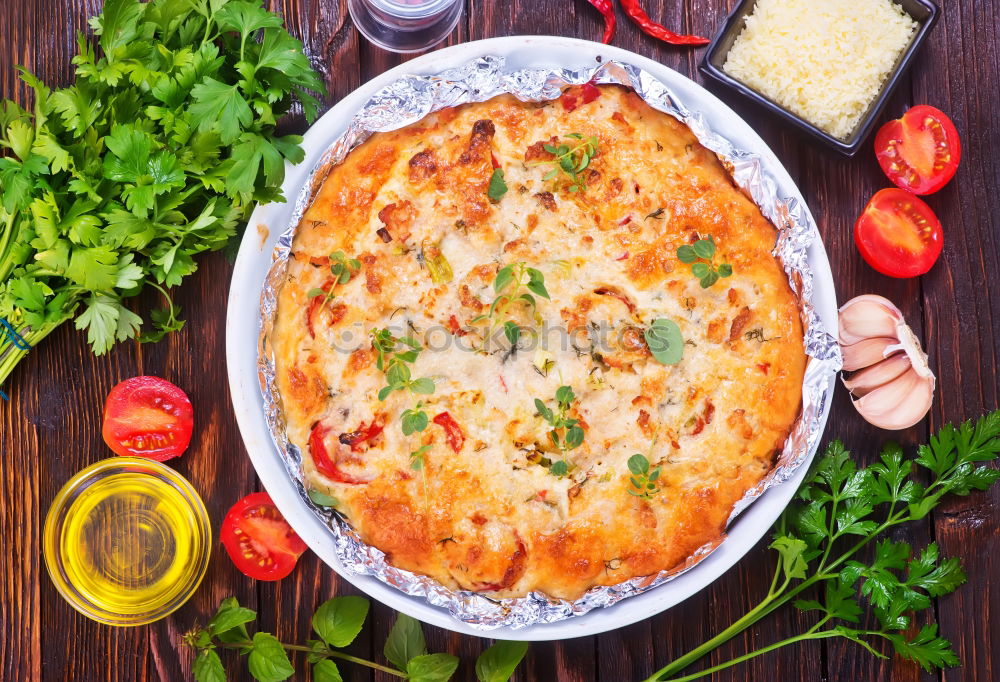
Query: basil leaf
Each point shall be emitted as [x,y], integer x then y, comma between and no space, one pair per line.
[705,248]
[230,615]
[700,270]
[268,661]
[497,187]
[565,395]
[638,464]
[503,278]
[423,386]
[326,671]
[725,270]
[512,331]
[339,620]
[432,668]
[536,283]
[497,664]
[322,499]
[405,641]
[665,342]
[207,667]
[686,254]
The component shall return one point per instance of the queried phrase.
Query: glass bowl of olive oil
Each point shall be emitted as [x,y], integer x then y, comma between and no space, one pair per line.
[127,541]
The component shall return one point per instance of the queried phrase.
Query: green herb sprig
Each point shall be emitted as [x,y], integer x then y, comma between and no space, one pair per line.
[337,623]
[642,479]
[157,152]
[566,433]
[514,284]
[701,257]
[569,162]
[840,512]
[343,270]
[394,355]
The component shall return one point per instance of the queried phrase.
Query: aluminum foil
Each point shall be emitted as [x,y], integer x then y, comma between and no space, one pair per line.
[408,100]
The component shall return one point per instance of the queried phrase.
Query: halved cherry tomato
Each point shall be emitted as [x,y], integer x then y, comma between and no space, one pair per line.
[898,234]
[259,540]
[920,151]
[452,431]
[147,417]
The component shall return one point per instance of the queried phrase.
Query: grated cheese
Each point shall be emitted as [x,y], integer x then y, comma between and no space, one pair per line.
[824,60]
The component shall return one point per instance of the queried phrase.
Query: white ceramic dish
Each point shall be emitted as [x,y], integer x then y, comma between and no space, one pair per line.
[242,330]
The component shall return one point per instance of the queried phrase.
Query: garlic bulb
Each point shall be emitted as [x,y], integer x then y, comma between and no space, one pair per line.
[890,380]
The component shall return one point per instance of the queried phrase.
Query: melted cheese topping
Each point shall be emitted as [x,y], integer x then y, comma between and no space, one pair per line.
[484,512]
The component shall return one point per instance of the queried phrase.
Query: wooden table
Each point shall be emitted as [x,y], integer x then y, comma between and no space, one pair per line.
[51,427]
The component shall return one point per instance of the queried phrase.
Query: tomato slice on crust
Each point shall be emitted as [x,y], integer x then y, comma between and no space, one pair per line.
[920,151]
[147,417]
[347,443]
[898,234]
[259,540]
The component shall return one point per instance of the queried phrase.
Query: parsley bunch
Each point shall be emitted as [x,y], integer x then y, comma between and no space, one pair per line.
[156,153]
[337,623]
[840,512]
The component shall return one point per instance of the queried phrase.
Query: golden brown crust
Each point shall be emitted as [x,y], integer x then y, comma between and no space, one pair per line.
[483,513]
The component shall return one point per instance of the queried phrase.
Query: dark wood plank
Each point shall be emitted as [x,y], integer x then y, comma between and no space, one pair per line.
[962,312]
[48,430]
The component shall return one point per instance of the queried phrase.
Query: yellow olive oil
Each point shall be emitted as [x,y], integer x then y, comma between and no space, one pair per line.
[130,545]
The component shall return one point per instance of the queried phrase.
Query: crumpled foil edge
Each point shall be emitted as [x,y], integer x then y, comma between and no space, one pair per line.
[408,100]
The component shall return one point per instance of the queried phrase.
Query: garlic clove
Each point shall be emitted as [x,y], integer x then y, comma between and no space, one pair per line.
[867,352]
[899,404]
[910,344]
[867,316]
[866,380]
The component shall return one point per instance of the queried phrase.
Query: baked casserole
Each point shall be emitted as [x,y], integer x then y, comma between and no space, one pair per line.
[536,346]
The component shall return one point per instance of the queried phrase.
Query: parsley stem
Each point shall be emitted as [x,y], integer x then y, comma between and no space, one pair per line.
[775,600]
[10,356]
[746,657]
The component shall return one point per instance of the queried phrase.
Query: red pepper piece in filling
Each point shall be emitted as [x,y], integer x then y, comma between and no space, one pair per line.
[589,92]
[321,457]
[518,564]
[363,434]
[652,28]
[326,464]
[315,303]
[573,98]
[452,431]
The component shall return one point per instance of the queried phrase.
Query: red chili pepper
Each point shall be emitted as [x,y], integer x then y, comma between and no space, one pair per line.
[608,12]
[321,457]
[452,431]
[493,160]
[651,28]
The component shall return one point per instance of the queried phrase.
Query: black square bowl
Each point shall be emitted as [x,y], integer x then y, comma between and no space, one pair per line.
[924,12]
